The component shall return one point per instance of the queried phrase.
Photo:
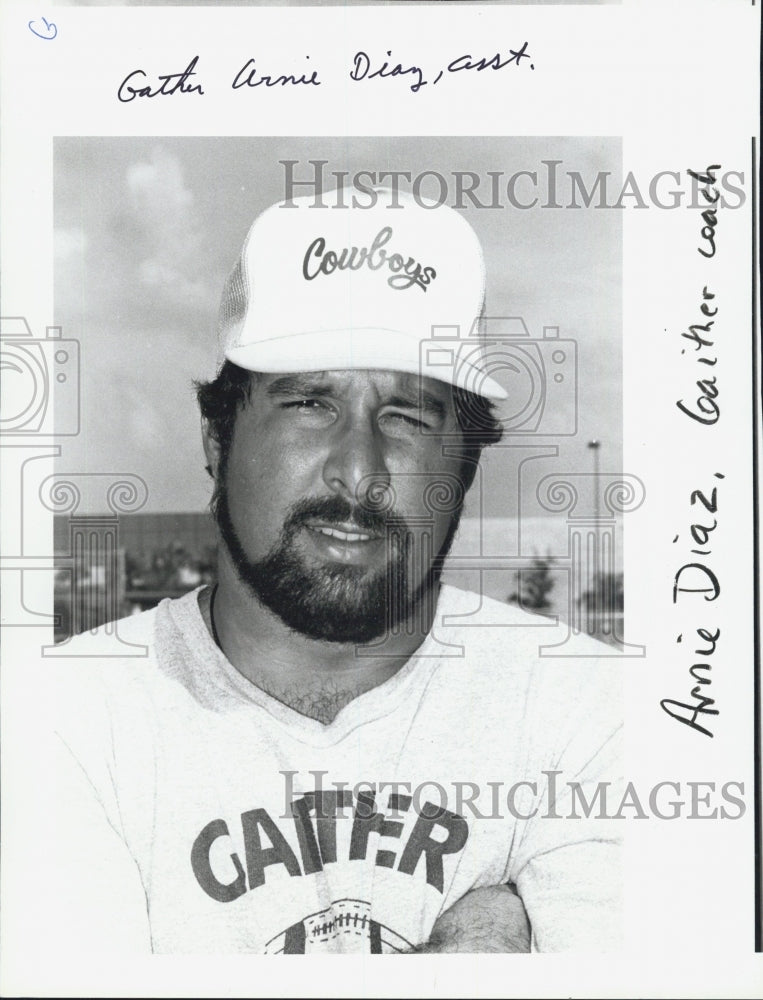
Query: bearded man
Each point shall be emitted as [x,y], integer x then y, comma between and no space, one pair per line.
[330,749]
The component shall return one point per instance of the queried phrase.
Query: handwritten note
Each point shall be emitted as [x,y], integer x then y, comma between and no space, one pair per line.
[44,29]
[696,577]
[366,68]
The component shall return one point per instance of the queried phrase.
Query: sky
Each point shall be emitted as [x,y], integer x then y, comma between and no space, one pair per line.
[147,229]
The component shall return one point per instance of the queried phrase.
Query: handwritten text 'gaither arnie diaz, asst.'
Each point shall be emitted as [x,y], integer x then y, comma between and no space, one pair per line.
[701,407]
[364,67]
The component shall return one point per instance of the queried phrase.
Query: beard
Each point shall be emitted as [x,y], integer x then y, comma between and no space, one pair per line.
[335,602]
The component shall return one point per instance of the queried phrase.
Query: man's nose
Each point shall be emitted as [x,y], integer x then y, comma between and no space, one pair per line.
[355,466]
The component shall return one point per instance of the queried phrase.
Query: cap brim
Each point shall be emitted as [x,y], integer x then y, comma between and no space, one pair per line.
[447,360]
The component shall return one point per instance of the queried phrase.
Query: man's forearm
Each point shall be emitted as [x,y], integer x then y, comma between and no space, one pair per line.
[491,919]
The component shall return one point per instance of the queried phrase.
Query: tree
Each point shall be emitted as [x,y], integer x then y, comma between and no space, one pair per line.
[533,585]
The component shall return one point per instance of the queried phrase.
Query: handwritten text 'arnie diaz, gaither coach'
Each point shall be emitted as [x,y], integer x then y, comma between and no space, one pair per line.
[365,66]
[696,580]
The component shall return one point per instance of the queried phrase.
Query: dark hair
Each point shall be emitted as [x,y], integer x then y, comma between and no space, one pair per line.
[221,398]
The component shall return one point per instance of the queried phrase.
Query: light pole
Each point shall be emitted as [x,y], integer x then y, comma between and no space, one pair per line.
[594,444]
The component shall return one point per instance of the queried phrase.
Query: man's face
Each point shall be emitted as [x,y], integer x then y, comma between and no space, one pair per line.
[336,499]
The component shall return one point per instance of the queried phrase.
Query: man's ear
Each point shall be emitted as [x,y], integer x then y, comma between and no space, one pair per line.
[211,448]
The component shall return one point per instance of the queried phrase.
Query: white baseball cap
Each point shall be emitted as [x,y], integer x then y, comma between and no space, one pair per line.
[399,285]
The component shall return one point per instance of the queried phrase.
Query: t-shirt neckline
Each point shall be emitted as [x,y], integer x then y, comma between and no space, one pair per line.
[372,705]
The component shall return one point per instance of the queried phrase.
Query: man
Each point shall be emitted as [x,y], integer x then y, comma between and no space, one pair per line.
[329,750]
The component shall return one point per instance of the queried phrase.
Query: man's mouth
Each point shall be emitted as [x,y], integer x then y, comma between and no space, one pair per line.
[345,542]
[344,533]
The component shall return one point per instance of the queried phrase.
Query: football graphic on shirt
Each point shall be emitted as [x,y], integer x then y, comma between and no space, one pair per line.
[345,926]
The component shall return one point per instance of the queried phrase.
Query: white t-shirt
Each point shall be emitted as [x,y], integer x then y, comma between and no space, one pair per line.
[196,814]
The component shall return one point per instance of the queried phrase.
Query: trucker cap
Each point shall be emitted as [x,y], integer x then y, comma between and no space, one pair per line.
[378,280]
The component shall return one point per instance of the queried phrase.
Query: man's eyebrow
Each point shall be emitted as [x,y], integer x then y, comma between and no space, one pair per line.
[298,385]
[420,401]
[314,384]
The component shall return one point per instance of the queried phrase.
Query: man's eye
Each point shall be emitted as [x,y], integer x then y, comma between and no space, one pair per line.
[403,420]
[305,405]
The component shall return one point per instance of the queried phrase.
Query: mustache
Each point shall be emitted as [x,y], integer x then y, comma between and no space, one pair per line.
[339,510]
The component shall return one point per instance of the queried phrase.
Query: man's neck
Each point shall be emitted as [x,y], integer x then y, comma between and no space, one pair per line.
[315,678]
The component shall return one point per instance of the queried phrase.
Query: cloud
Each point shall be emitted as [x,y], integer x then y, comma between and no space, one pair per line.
[165,210]
[69,244]
[159,186]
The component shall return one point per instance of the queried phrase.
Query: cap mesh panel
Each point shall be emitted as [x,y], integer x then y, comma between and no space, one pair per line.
[234,302]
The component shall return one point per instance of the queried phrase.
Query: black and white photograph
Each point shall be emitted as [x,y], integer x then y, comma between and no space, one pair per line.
[379,440]
[313,623]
